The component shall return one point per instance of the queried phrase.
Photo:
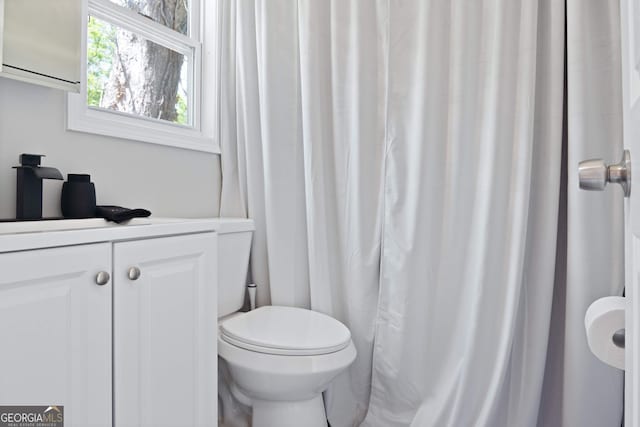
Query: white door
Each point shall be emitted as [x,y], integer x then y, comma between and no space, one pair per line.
[165,314]
[594,175]
[55,331]
[630,38]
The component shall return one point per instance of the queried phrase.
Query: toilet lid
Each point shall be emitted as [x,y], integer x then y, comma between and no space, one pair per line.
[287,331]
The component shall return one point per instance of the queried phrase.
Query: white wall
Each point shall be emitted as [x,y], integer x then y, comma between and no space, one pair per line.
[167,181]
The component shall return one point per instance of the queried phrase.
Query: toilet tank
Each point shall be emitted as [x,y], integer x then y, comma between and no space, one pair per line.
[234,245]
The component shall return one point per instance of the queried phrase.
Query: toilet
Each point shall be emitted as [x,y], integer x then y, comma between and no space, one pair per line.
[280,358]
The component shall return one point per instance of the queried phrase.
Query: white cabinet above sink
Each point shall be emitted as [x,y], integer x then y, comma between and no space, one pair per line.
[40,42]
[55,326]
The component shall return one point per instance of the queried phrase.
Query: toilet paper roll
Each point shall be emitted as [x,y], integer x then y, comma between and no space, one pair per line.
[604,318]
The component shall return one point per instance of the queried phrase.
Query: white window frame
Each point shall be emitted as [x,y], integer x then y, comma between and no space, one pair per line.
[203,105]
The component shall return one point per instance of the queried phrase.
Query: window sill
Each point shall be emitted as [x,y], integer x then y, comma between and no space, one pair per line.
[80,118]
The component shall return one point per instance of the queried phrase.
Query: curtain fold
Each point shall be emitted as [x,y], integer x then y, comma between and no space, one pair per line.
[401,159]
[471,202]
[343,88]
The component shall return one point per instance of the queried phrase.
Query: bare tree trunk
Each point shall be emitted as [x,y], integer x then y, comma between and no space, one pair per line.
[145,76]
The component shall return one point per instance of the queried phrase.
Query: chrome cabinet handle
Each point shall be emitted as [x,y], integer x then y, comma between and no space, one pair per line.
[594,174]
[133,273]
[102,278]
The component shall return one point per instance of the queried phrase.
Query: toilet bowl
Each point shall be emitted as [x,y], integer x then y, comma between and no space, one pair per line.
[280,359]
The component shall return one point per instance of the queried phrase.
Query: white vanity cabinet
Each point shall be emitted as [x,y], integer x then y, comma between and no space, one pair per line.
[135,347]
[55,331]
[165,355]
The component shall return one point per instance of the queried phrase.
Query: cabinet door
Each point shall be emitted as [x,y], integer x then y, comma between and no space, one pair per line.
[55,331]
[165,354]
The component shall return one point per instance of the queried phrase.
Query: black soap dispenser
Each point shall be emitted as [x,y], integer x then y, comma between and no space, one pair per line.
[78,197]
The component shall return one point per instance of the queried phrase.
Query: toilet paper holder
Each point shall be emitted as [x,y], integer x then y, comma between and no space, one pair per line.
[618,338]
[605,328]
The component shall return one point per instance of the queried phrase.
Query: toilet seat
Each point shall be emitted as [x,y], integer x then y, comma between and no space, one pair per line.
[287,331]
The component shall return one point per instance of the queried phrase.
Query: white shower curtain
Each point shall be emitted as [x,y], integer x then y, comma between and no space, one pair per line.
[402,161]
[471,216]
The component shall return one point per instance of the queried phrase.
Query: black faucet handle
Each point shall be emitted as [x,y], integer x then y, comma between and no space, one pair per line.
[31,159]
[29,185]
[32,162]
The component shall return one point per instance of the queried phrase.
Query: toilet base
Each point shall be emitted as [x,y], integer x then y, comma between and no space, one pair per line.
[308,413]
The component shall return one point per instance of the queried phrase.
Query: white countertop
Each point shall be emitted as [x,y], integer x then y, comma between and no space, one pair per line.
[19,236]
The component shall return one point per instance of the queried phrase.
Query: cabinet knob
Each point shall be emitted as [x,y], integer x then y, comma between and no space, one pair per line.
[133,273]
[102,278]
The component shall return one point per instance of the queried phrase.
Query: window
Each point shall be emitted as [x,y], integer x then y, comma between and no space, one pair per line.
[149,72]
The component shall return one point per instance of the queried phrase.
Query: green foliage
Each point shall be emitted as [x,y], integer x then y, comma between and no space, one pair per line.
[181,110]
[101,47]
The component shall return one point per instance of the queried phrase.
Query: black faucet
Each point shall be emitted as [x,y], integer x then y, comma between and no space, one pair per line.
[29,191]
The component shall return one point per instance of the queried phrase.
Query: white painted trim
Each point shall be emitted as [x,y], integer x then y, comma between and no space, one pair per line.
[150,30]
[137,228]
[195,20]
[209,90]
[33,78]
[203,102]
[1,28]
[101,122]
